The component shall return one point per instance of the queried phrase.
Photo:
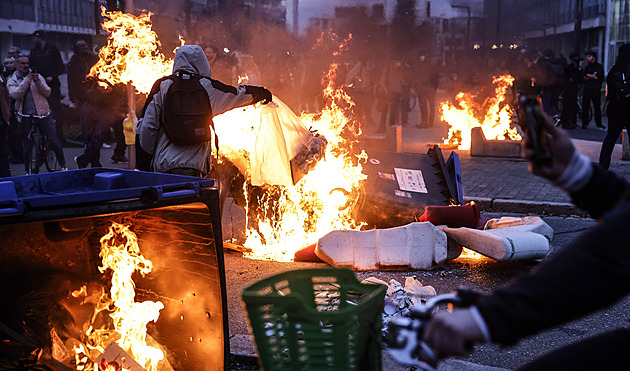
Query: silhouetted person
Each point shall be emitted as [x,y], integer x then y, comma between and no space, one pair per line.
[45,59]
[618,106]
[593,80]
[573,73]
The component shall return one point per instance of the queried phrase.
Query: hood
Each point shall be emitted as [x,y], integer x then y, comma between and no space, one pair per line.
[191,58]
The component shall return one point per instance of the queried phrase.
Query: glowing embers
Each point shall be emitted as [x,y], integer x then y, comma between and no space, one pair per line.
[465,115]
[132,53]
[115,334]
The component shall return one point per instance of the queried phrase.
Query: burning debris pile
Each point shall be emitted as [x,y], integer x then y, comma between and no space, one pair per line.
[493,116]
[115,336]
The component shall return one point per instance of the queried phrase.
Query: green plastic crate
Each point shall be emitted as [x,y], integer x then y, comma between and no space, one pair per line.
[316,319]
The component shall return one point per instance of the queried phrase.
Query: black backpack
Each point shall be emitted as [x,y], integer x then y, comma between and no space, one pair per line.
[621,84]
[187,115]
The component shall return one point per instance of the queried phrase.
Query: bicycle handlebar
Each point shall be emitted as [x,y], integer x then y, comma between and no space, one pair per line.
[404,334]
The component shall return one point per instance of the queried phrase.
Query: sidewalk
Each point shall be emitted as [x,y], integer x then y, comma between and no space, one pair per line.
[505,184]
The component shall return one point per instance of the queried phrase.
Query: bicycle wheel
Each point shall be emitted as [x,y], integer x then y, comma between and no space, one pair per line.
[49,156]
[36,156]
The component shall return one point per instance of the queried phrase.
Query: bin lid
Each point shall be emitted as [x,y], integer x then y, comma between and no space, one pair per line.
[94,185]
[400,185]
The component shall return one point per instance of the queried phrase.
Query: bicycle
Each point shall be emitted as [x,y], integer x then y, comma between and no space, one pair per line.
[579,106]
[404,334]
[42,152]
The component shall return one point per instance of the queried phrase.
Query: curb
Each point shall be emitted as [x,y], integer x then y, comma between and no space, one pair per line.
[527,207]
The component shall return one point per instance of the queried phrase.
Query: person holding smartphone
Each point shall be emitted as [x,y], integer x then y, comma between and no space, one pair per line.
[30,91]
[597,263]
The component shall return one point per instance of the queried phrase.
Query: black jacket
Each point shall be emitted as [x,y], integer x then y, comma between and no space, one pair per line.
[619,66]
[591,274]
[591,68]
[47,61]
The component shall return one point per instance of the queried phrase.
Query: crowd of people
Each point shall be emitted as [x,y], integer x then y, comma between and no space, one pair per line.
[385,83]
[31,94]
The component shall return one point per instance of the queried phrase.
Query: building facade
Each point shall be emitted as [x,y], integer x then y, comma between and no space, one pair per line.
[64,20]
[602,25]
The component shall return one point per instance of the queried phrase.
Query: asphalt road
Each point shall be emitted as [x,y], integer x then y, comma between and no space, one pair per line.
[483,275]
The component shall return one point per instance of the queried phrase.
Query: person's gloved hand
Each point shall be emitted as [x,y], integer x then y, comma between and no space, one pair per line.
[259,94]
[453,333]
[561,149]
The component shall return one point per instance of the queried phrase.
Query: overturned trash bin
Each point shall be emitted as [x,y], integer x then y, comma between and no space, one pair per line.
[57,230]
[316,319]
[400,185]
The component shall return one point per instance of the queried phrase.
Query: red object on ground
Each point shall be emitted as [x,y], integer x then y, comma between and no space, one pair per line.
[307,254]
[453,216]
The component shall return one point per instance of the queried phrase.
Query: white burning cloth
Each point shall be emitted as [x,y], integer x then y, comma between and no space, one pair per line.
[263,140]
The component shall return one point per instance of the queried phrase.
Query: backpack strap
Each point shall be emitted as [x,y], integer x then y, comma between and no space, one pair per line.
[154,90]
[143,158]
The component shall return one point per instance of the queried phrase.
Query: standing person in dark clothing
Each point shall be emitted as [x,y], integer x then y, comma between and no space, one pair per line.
[46,60]
[593,80]
[78,68]
[573,73]
[426,81]
[103,107]
[393,84]
[525,74]
[548,81]
[78,86]
[5,113]
[618,106]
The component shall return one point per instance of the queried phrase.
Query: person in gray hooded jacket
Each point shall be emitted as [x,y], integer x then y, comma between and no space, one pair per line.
[155,151]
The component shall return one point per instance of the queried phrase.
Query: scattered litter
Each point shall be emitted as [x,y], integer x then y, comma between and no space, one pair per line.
[399,299]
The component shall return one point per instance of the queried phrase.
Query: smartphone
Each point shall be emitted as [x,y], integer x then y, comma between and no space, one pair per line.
[534,128]
[33,69]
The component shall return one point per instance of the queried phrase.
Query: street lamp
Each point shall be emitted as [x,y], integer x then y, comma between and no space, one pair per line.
[467,20]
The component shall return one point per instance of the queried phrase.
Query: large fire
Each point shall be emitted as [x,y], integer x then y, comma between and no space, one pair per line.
[128,319]
[463,116]
[132,53]
[292,217]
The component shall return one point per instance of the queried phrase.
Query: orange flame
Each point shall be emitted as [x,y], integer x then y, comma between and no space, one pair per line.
[295,217]
[462,118]
[121,255]
[319,203]
[132,53]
